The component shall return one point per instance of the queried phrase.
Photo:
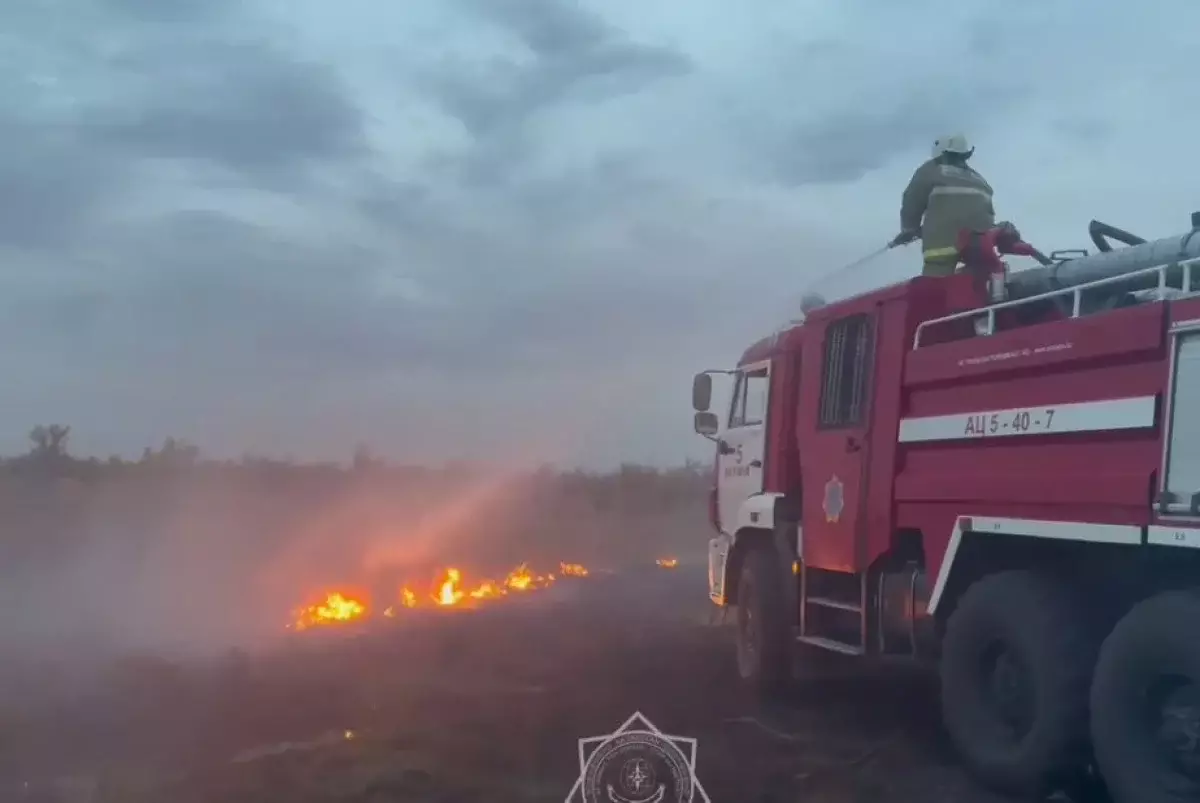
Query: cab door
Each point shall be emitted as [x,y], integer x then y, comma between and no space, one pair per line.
[836,423]
[741,449]
[1179,481]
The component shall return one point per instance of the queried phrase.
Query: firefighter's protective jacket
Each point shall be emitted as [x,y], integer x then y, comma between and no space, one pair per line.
[950,197]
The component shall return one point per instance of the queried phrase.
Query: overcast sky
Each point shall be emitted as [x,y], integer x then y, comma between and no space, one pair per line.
[490,228]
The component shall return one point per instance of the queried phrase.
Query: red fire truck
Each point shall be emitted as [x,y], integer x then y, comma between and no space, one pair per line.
[998,474]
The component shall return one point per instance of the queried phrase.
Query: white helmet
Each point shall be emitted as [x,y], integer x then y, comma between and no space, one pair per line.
[955,143]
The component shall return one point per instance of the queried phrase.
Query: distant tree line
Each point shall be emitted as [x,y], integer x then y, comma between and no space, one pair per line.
[631,488]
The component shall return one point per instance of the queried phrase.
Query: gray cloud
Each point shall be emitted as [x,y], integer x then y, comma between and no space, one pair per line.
[366,219]
[242,105]
[893,114]
[846,146]
[175,12]
[577,55]
[192,84]
[241,301]
[573,56]
[51,177]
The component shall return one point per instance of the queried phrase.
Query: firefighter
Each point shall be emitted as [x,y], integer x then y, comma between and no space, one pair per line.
[944,196]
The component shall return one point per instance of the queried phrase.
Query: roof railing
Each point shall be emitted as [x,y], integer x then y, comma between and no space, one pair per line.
[1076,292]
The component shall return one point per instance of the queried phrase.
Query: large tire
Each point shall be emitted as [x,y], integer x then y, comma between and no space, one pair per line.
[1025,632]
[763,643]
[1146,656]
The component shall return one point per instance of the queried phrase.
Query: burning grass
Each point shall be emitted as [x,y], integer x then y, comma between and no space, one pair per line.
[336,607]
[449,590]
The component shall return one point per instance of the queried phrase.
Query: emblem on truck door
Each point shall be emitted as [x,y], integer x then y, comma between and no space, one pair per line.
[834,501]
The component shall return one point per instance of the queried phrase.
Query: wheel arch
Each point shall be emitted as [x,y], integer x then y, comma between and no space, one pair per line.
[745,541]
[1108,563]
[759,518]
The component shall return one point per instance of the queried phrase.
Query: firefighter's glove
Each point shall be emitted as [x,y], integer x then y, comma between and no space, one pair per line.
[904,238]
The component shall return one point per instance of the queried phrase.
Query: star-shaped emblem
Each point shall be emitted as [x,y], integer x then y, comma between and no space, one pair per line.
[834,500]
[678,754]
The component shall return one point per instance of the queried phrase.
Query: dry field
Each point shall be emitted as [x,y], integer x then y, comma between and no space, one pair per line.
[485,705]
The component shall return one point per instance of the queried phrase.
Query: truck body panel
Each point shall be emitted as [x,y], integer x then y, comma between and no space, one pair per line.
[939,469]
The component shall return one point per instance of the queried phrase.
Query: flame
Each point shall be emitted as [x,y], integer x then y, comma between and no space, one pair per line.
[667,563]
[449,593]
[448,590]
[336,607]
[486,590]
[519,579]
[522,579]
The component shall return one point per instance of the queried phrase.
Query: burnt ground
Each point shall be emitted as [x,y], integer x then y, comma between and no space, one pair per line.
[485,705]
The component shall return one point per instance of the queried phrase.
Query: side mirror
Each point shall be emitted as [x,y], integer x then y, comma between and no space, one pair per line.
[706,424]
[701,392]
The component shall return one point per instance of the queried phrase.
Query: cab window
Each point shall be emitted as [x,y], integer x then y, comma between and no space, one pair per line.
[749,406]
[846,372]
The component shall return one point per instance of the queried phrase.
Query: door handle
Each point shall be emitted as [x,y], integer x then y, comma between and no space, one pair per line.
[852,445]
[755,464]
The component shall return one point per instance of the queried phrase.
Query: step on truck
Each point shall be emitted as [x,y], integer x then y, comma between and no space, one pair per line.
[996,474]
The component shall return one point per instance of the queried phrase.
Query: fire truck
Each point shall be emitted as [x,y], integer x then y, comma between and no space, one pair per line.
[995,473]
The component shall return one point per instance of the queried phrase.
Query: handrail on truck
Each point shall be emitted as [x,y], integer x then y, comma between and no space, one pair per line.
[1076,293]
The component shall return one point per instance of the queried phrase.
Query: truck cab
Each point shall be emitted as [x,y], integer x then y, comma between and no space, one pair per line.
[1007,492]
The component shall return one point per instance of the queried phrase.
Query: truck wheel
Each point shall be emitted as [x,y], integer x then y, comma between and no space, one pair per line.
[763,648]
[1016,665]
[1146,702]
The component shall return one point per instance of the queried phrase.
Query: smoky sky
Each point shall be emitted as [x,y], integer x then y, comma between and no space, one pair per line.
[509,228]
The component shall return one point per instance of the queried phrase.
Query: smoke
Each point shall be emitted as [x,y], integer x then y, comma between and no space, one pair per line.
[212,559]
[136,565]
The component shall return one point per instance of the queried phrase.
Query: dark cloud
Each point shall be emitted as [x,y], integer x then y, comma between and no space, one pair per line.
[606,182]
[402,207]
[260,301]
[594,320]
[246,106]
[175,11]
[577,45]
[203,88]
[561,232]
[549,28]
[233,304]
[59,319]
[51,178]
[576,57]
[895,113]
[246,304]
[845,146]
